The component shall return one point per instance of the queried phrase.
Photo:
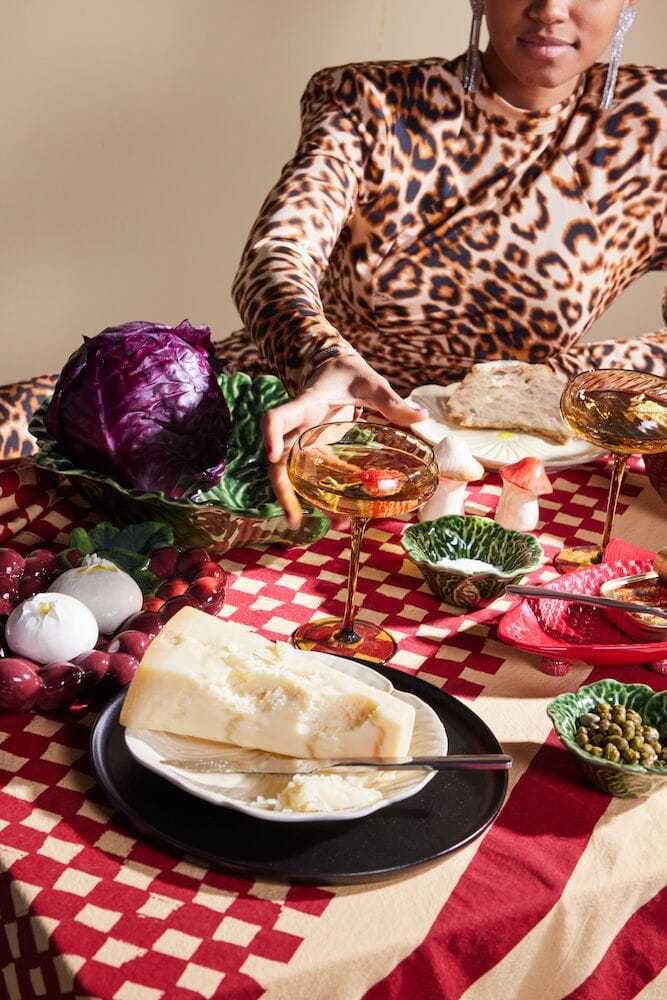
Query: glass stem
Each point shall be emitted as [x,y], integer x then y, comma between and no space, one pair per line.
[346,632]
[618,470]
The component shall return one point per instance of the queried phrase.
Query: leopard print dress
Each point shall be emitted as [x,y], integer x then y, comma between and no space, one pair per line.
[428,229]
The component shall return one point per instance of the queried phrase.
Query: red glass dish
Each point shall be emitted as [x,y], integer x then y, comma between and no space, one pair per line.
[565,630]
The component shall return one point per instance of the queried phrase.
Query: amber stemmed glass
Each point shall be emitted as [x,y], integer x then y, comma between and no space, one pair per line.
[625,413]
[358,470]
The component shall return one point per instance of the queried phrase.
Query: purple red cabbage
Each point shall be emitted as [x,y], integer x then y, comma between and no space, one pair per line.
[141,403]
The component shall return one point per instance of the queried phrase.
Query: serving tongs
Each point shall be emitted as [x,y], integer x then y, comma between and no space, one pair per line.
[266,763]
[604,602]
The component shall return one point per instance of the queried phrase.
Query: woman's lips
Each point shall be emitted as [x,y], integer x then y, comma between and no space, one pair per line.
[544,46]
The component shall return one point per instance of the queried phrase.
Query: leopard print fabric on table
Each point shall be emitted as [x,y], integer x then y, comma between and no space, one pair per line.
[18,402]
[429,229]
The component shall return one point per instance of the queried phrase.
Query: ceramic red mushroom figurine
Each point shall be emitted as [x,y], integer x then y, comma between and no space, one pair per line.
[524,483]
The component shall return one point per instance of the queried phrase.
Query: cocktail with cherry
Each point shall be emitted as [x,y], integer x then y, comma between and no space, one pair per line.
[359,470]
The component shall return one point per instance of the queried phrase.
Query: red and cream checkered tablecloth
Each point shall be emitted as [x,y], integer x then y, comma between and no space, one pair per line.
[564,895]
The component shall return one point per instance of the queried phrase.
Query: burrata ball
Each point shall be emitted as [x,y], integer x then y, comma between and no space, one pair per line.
[50,627]
[109,592]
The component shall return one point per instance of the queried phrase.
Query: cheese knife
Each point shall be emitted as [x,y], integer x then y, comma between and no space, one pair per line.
[522,590]
[272,764]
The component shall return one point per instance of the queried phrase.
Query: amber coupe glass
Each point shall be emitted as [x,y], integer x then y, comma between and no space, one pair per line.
[625,413]
[358,470]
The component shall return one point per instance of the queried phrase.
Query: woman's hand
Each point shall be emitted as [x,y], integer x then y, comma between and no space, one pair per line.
[333,392]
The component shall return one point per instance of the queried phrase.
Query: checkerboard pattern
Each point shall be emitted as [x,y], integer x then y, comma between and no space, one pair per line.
[92,910]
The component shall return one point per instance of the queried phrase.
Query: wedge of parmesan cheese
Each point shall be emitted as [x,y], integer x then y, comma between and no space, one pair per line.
[215,680]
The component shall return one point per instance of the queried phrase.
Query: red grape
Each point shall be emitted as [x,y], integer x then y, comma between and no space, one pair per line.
[206,591]
[175,604]
[62,686]
[11,562]
[190,561]
[210,569]
[20,684]
[163,562]
[171,588]
[152,604]
[129,641]
[94,664]
[144,621]
[215,605]
[122,668]
[29,586]
[42,563]
[9,588]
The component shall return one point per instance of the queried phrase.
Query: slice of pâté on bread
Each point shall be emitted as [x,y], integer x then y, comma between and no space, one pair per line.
[510,395]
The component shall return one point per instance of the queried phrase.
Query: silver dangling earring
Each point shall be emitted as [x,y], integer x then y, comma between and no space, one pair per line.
[625,20]
[471,78]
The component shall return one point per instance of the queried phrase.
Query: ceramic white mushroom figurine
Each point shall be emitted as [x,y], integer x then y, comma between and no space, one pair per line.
[524,483]
[457,468]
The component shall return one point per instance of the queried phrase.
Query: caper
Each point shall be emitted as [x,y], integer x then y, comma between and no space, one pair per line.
[620,735]
[589,719]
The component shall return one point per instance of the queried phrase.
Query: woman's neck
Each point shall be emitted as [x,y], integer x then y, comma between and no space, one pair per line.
[530,95]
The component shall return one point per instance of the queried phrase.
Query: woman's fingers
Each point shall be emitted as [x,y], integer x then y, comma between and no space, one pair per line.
[382,398]
[285,494]
[332,393]
[279,425]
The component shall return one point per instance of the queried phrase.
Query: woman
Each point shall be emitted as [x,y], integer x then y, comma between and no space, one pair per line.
[437,214]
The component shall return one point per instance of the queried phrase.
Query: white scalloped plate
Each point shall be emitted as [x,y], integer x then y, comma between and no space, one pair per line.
[491,447]
[255,794]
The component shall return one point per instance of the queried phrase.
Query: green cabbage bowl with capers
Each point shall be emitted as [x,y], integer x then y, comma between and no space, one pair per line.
[615,777]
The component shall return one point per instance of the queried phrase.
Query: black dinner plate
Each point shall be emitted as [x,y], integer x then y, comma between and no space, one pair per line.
[449,812]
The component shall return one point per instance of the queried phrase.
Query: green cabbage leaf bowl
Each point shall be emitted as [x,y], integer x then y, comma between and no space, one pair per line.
[623,780]
[241,509]
[509,556]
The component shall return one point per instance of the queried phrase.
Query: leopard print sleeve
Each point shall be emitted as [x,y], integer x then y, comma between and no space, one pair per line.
[646,353]
[276,287]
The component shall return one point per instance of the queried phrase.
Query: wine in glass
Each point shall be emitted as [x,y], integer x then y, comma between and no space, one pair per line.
[359,470]
[625,412]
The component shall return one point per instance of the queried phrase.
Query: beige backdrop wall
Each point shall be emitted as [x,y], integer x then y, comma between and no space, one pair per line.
[139,137]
